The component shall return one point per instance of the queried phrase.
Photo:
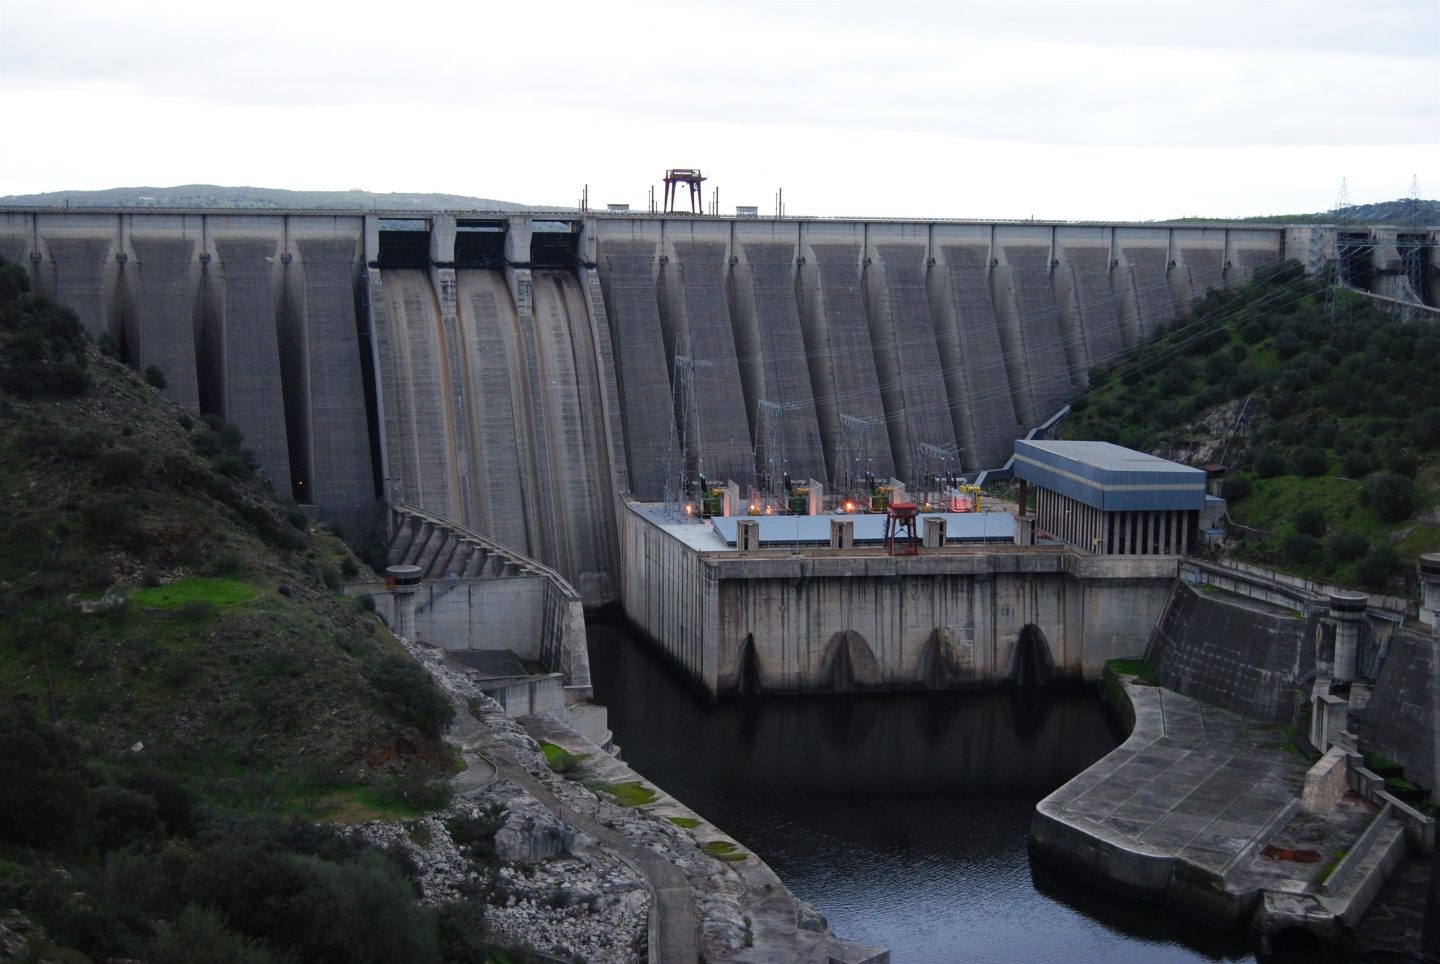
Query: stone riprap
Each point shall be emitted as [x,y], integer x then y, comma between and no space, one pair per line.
[585,875]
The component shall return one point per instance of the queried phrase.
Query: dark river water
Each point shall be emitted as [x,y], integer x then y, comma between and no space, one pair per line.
[900,817]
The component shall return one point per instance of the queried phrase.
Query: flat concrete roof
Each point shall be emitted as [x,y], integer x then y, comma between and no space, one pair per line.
[719,533]
[1110,477]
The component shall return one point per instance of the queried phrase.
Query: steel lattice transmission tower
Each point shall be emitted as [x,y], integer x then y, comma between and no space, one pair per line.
[1339,214]
[677,461]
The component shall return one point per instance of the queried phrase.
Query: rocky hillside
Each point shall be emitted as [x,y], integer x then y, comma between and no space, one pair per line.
[180,685]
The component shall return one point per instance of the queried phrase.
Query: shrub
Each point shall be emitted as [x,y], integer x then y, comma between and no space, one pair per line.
[1358,463]
[155,377]
[360,912]
[1267,464]
[461,932]
[1403,462]
[1301,548]
[411,693]
[47,354]
[1427,428]
[1310,521]
[120,466]
[1235,487]
[199,934]
[1310,463]
[43,800]
[413,790]
[1348,546]
[125,818]
[1392,497]
[1378,567]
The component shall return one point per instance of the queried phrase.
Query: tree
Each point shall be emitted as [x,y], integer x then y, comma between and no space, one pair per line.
[1392,497]
[1378,567]
[1310,462]
[44,801]
[1310,521]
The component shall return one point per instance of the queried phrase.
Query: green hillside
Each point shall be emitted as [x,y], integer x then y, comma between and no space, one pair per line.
[1326,413]
[182,691]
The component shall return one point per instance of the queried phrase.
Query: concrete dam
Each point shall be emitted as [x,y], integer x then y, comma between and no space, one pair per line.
[524,375]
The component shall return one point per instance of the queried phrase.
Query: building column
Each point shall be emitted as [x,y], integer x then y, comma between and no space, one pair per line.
[403,581]
[1429,570]
[1348,612]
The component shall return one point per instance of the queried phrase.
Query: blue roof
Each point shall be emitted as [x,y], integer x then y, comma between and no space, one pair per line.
[1110,477]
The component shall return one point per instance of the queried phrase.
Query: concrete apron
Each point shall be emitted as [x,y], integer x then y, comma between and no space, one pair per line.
[1200,811]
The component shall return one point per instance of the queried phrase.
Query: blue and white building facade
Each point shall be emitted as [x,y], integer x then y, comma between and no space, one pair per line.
[1106,499]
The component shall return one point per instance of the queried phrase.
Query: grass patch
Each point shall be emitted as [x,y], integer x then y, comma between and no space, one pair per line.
[1383,766]
[1137,668]
[561,760]
[684,823]
[1329,868]
[195,590]
[725,850]
[632,793]
[355,805]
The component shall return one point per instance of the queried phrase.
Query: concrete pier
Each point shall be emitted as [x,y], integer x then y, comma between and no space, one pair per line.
[1200,811]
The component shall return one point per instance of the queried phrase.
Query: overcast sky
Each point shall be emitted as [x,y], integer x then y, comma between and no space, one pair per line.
[1099,109]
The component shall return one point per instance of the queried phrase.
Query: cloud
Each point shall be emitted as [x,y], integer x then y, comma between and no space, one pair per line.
[368,92]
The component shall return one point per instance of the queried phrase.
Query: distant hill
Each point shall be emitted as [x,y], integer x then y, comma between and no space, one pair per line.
[255,198]
[1402,211]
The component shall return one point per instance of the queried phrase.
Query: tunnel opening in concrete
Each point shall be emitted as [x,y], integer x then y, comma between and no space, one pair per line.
[553,244]
[404,243]
[480,245]
[1032,663]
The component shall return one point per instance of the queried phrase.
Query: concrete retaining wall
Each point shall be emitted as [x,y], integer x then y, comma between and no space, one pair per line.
[1234,656]
[1399,722]
[821,620]
[477,594]
[545,694]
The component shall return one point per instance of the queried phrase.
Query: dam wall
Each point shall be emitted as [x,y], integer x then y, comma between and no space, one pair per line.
[783,620]
[253,318]
[521,373]
[907,349]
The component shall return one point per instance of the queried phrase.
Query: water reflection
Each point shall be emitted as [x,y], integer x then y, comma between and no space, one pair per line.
[901,817]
